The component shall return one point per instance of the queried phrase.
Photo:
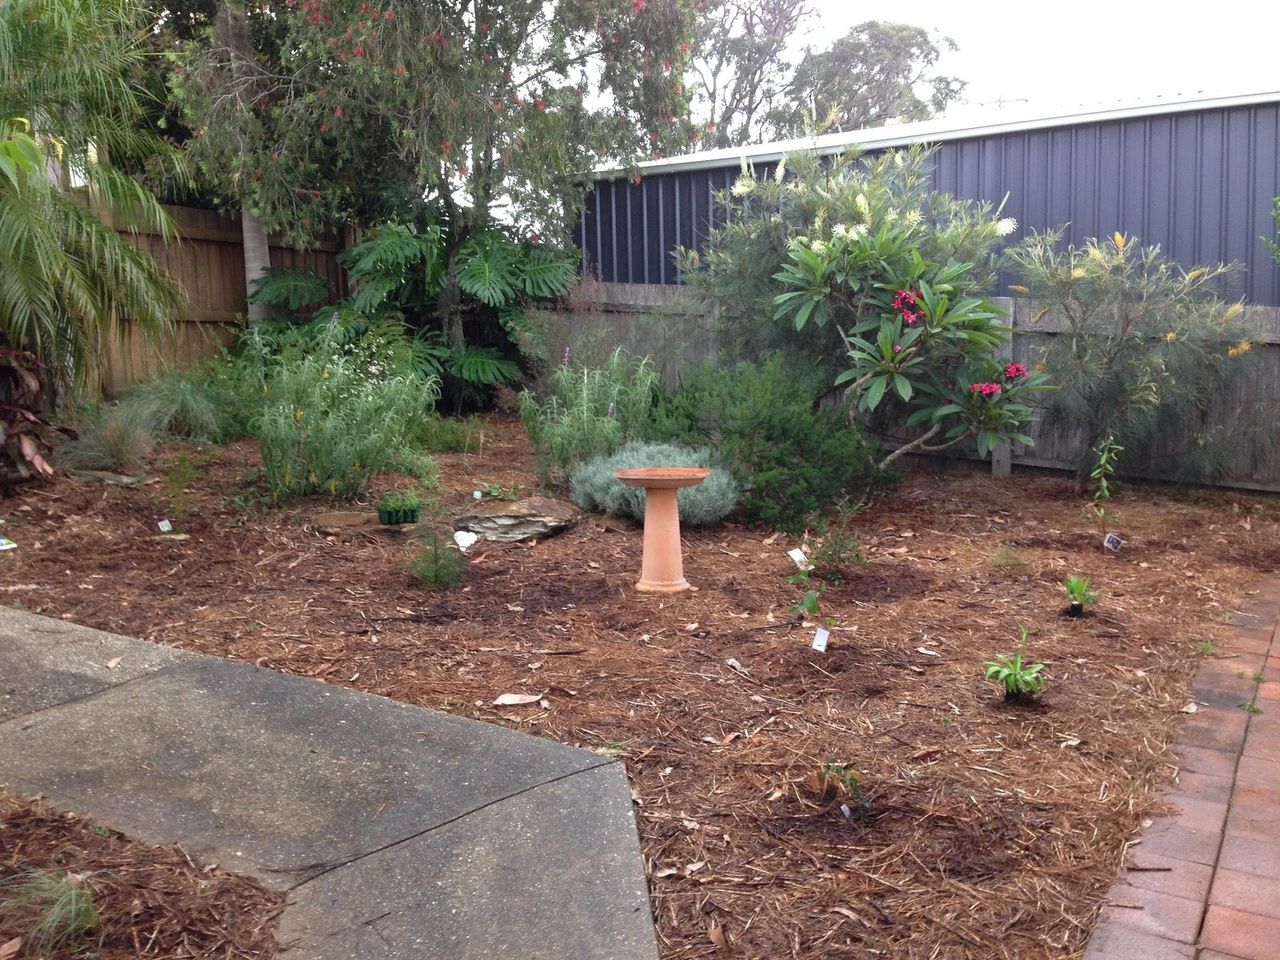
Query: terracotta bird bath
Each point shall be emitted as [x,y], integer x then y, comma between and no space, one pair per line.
[662,565]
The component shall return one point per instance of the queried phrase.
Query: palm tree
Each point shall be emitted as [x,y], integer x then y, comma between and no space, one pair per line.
[67,277]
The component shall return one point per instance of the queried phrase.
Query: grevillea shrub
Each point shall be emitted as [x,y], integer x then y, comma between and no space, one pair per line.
[337,415]
[593,486]
[1146,354]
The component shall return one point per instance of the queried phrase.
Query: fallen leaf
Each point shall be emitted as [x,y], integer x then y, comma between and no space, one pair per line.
[927,652]
[666,872]
[114,662]
[772,539]
[716,935]
[517,699]
[10,948]
[846,912]
[1190,708]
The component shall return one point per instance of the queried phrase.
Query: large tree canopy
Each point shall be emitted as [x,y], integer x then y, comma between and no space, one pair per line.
[749,85]
[485,105]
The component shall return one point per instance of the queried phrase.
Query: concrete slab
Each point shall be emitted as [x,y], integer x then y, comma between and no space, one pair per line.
[276,776]
[46,662]
[545,875]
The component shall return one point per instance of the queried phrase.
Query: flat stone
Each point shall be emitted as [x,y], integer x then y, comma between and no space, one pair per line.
[46,662]
[548,874]
[533,517]
[340,523]
[268,774]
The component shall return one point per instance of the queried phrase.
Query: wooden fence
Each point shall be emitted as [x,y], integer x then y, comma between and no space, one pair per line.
[208,263]
[651,319]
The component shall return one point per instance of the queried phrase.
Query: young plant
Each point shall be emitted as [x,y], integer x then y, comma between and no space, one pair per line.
[1021,681]
[807,607]
[499,492]
[399,506]
[838,552]
[53,909]
[437,564]
[178,480]
[1079,595]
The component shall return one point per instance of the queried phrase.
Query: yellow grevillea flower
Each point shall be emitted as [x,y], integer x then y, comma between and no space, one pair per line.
[1170,337]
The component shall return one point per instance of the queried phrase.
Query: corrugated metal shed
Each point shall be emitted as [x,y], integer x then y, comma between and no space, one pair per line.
[1196,177]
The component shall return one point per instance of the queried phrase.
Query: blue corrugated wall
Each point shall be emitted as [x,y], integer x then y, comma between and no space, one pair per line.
[1198,183]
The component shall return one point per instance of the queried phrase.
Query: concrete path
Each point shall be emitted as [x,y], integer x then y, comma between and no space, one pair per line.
[398,832]
[1205,882]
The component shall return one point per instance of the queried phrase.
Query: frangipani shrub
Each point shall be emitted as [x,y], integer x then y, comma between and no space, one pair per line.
[857,268]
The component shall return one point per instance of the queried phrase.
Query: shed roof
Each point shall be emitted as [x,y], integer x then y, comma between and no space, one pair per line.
[928,131]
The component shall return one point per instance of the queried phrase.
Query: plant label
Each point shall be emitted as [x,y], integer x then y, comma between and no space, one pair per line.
[7,544]
[1112,543]
[801,560]
[165,526]
[477,494]
[465,540]
[820,638]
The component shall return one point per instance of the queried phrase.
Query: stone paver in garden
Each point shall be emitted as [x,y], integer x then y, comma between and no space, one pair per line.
[1204,883]
[397,831]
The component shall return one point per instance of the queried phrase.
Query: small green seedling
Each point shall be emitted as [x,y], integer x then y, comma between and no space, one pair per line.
[400,500]
[1021,681]
[799,579]
[437,565]
[55,908]
[808,607]
[1079,595]
[499,492]
[835,780]
[1250,707]
[1205,648]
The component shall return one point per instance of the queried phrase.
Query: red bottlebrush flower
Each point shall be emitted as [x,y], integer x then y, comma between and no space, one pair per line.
[909,317]
[986,389]
[540,106]
[666,64]
[358,51]
[324,128]
[339,113]
[364,8]
[438,38]
[684,46]
[519,100]
[639,5]
[388,15]
[1015,371]
[487,56]
[446,147]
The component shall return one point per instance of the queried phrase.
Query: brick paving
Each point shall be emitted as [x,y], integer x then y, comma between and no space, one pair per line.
[1204,883]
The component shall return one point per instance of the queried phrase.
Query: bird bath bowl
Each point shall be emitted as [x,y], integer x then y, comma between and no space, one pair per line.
[662,565]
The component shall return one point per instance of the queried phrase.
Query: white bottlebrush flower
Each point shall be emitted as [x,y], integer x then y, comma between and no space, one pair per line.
[1006,226]
[818,246]
[781,171]
[863,207]
[743,185]
[840,230]
[857,231]
[911,217]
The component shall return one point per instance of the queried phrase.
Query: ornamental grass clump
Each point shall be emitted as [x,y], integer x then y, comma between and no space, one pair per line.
[593,486]
[338,415]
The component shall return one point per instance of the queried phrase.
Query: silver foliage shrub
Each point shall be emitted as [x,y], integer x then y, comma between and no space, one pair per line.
[593,487]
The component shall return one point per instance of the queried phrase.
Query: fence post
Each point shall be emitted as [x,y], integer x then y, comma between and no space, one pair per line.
[1002,453]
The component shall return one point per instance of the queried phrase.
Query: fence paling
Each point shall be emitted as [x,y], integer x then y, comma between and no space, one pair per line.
[649,318]
[208,263]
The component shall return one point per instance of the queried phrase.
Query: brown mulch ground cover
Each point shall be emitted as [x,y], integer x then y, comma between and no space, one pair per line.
[152,902]
[989,830]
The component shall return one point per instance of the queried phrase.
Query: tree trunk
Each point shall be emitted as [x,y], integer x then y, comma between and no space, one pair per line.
[231,28]
[257,258]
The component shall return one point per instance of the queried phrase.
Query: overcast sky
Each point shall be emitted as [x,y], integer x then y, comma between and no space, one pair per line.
[1084,54]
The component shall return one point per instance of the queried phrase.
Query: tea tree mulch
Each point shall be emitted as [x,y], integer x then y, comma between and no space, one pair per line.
[151,902]
[955,825]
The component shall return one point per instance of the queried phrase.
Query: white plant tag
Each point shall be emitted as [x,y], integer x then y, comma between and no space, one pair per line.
[477,494]
[465,540]
[801,560]
[7,544]
[820,638]
[1112,542]
[165,526]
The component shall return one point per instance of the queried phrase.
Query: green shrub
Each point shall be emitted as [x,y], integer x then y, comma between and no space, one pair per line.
[108,440]
[590,412]
[789,458]
[593,486]
[437,564]
[839,552]
[1145,349]
[437,434]
[338,415]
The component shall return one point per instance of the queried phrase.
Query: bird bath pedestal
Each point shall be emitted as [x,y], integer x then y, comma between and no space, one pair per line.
[662,566]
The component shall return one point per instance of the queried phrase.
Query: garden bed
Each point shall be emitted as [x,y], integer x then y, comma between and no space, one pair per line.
[990,830]
[151,902]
